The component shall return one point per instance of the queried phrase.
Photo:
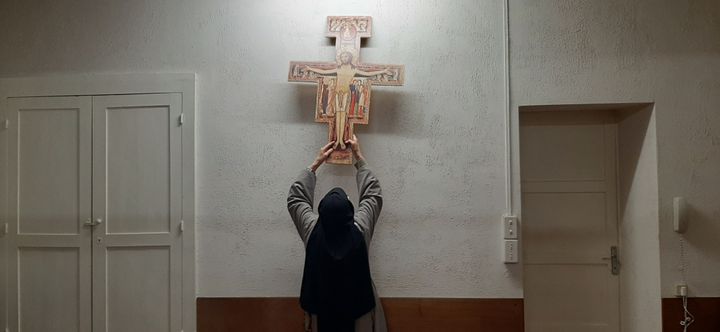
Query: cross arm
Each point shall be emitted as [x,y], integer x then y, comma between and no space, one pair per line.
[299,73]
[383,74]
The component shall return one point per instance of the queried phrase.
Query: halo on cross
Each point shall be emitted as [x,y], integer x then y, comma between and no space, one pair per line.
[348,50]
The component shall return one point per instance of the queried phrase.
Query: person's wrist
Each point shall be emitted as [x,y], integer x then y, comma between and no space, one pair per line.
[314,166]
[359,155]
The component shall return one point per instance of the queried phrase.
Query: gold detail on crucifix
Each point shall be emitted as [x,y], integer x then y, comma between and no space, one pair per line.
[343,93]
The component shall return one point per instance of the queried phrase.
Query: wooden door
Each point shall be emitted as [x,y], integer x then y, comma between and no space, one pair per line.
[137,201]
[49,178]
[569,209]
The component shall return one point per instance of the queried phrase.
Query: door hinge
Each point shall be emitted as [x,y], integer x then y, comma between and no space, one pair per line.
[182,118]
[614,260]
[182,226]
[7,123]
[6,229]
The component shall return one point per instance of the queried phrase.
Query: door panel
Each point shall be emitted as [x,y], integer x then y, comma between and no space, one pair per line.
[137,197]
[43,209]
[47,305]
[562,234]
[577,152]
[49,175]
[138,170]
[138,296]
[559,305]
[569,208]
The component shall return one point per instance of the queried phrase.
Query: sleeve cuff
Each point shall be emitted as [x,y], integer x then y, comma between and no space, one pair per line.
[308,172]
[360,164]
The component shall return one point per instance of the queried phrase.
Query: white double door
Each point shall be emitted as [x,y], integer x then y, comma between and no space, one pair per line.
[94,213]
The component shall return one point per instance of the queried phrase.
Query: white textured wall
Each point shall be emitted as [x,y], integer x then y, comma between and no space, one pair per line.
[436,143]
[640,305]
[666,51]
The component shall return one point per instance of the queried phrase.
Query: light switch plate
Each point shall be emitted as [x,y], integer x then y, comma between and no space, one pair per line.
[511,251]
[510,227]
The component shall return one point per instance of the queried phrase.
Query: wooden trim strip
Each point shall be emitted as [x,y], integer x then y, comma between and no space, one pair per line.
[705,309]
[273,314]
[450,315]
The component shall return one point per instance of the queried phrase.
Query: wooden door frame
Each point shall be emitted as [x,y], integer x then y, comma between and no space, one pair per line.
[112,84]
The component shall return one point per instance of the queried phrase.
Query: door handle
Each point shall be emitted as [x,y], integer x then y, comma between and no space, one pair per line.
[89,222]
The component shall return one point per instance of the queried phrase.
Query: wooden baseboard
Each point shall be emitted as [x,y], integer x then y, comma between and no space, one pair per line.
[249,314]
[273,314]
[279,314]
[453,315]
[705,309]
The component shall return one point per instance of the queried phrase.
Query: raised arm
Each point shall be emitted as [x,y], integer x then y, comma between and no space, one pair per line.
[300,196]
[320,71]
[371,201]
[373,73]
[300,203]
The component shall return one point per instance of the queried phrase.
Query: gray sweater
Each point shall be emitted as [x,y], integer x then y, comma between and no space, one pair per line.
[300,206]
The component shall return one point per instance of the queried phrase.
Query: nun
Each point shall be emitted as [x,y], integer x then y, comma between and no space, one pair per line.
[337,293]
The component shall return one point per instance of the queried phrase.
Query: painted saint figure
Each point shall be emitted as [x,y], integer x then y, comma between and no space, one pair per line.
[326,98]
[345,72]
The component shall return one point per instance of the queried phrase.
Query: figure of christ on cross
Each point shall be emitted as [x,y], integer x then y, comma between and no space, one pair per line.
[343,94]
[340,92]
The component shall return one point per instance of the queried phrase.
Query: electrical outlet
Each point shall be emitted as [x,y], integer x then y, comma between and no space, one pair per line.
[510,227]
[511,251]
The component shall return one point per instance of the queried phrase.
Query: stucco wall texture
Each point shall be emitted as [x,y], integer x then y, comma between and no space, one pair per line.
[437,143]
[661,51]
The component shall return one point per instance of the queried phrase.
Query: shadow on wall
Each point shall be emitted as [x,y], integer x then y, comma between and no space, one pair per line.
[632,121]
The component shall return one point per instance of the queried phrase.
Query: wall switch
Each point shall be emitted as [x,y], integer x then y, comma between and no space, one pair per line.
[511,251]
[510,227]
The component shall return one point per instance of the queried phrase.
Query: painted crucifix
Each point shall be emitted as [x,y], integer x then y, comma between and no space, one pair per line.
[343,93]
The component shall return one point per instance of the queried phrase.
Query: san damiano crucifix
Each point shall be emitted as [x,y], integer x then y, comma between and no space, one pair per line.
[343,93]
